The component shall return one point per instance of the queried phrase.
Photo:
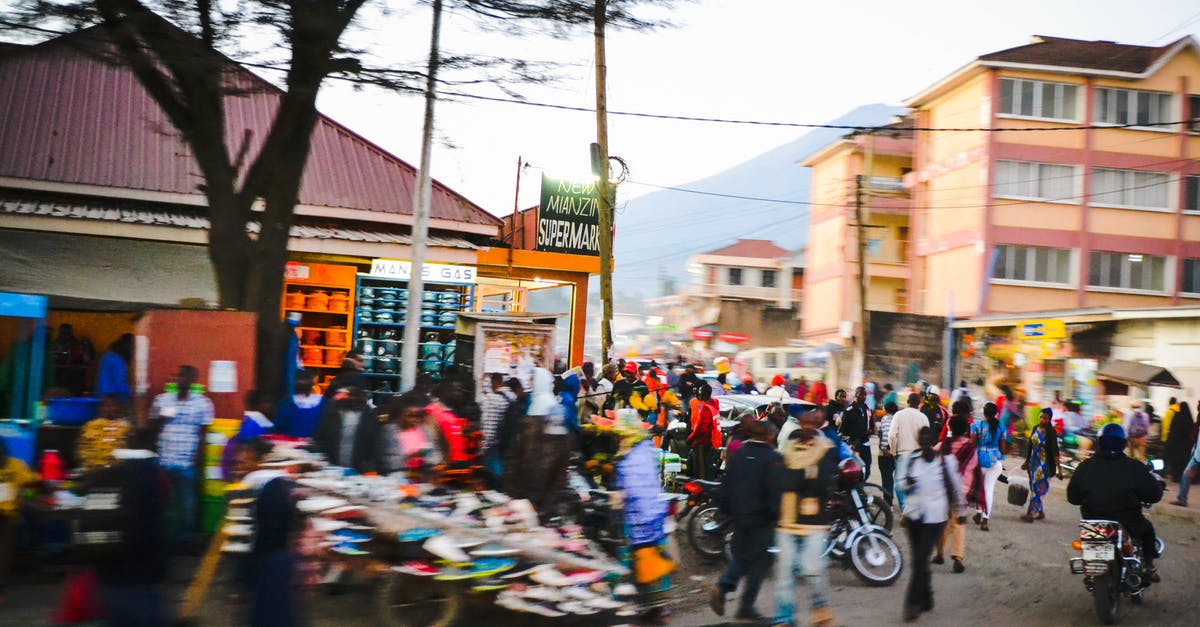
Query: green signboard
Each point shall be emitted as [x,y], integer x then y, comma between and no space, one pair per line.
[568,217]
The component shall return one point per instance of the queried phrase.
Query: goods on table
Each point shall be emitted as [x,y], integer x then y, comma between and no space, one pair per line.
[485,540]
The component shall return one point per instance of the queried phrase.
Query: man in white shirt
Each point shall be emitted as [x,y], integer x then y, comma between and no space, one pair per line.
[902,437]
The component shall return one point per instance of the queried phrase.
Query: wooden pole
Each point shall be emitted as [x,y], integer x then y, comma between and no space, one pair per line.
[605,218]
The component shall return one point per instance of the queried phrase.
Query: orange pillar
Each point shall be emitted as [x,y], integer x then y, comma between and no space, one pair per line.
[579,300]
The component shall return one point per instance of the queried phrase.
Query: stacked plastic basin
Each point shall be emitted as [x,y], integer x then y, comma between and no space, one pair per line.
[212,500]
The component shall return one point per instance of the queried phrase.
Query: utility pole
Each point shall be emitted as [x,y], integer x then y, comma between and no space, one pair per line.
[862,185]
[420,231]
[600,164]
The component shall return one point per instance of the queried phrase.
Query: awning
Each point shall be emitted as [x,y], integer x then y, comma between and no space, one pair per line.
[1138,374]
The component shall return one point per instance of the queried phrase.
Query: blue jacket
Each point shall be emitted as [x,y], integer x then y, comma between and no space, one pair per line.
[113,377]
[751,490]
[569,397]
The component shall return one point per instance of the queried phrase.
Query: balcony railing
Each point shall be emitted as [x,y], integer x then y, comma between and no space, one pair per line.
[889,251]
[885,184]
[750,292]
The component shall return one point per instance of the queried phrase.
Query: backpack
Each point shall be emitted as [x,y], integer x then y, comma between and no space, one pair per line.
[1139,426]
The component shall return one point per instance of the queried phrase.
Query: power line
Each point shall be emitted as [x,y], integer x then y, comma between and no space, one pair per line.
[843,127]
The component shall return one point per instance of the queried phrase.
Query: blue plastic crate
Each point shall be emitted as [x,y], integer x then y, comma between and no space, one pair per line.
[71,411]
[20,439]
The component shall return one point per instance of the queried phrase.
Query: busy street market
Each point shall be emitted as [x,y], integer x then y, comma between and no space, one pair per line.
[286,340]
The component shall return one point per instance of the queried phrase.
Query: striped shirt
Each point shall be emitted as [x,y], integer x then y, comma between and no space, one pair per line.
[885,425]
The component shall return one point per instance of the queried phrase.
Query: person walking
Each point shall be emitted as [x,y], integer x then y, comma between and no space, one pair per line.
[934,495]
[934,411]
[855,428]
[348,431]
[958,444]
[750,496]
[991,441]
[1137,429]
[1178,439]
[705,438]
[276,525]
[496,399]
[887,461]
[902,438]
[185,415]
[1189,473]
[298,414]
[1042,464]
[808,476]
[835,407]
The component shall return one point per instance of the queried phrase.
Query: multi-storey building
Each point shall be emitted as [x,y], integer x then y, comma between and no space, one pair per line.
[866,169]
[1085,194]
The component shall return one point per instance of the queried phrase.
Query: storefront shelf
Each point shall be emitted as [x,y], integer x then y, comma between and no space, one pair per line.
[324,346]
[331,286]
[382,375]
[400,324]
[309,364]
[319,311]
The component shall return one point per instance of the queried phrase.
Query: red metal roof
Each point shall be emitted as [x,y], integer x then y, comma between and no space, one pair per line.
[1078,53]
[756,248]
[67,116]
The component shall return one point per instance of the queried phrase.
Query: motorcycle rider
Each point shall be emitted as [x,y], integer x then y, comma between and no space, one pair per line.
[1112,486]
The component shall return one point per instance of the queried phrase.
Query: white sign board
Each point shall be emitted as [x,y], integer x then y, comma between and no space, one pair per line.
[141,364]
[222,376]
[432,272]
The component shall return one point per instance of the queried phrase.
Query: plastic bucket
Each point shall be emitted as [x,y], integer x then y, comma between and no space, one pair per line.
[20,440]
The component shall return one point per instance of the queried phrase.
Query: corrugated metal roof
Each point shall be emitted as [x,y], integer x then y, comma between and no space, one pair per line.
[68,116]
[190,220]
[1078,53]
[757,248]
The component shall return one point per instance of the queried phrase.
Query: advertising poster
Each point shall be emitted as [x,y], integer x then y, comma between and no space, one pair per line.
[568,217]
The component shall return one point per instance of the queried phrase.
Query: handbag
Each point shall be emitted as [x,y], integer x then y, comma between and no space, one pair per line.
[1018,492]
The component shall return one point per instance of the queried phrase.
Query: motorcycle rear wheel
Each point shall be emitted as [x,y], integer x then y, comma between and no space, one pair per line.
[1106,598]
[710,544]
[876,559]
[878,510]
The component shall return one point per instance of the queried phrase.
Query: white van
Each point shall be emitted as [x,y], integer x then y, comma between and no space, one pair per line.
[766,362]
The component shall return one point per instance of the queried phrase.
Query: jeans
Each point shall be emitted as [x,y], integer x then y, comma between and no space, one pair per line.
[923,537]
[901,473]
[132,606]
[804,556]
[1184,482]
[183,505]
[864,452]
[751,560]
[887,472]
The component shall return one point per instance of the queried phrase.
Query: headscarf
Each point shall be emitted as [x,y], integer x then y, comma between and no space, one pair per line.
[541,398]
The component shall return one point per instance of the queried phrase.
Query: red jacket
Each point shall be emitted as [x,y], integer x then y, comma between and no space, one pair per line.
[452,429]
[705,428]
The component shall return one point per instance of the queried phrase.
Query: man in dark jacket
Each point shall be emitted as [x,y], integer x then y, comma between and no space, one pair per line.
[348,433]
[750,496]
[689,384]
[856,428]
[126,533]
[1111,486]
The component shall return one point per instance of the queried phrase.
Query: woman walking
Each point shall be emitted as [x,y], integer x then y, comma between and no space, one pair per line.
[1178,438]
[990,441]
[1042,464]
[958,445]
[933,495]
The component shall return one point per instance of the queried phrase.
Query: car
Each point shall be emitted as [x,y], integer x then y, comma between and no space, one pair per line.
[732,406]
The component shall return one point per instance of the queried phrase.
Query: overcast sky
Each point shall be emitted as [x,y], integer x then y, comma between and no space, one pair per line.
[786,60]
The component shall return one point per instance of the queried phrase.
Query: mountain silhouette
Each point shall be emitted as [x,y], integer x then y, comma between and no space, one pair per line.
[657,232]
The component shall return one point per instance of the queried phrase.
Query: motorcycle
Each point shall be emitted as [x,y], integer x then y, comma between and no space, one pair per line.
[1112,564]
[853,538]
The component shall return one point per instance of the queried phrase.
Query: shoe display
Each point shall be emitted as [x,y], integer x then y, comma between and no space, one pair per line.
[348,548]
[489,585]
[417,534]
[420,569]
[445,548]
[575,607]
[235,547]
[325,525]
[494,550]
[349,535]
[237,530]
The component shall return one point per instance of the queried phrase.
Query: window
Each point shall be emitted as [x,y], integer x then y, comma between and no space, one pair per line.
[1041,181]
[1191,276]
[1191,201]
[770,360]
[1034,264]
[1194,113]
[735,276]
[768,278]
[1038,99]
[1131,188]
[1127,271]
[1137,108]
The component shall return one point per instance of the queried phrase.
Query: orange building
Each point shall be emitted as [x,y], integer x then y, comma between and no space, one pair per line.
[831,304]
[1090,199]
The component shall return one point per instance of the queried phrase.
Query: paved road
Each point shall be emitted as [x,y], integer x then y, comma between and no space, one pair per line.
[1016,575]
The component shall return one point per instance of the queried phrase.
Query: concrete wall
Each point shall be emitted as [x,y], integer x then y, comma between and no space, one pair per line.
[1170,343]
[898,340]
[765,325]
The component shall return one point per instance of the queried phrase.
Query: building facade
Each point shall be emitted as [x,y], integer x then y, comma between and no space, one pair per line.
[1088,195]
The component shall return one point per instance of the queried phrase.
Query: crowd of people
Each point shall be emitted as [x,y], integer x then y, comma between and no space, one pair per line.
[937,461]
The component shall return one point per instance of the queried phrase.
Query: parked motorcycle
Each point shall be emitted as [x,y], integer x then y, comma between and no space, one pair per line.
[1112,564]
[853,538]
